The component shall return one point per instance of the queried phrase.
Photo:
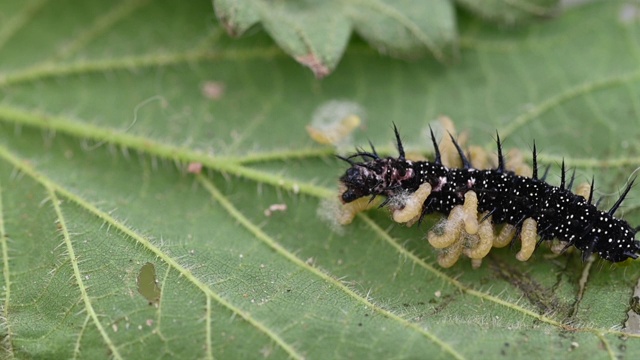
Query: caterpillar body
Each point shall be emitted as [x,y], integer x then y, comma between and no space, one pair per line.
[475,200]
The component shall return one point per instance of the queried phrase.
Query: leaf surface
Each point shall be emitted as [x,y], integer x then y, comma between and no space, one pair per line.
[316,33]
[104,108]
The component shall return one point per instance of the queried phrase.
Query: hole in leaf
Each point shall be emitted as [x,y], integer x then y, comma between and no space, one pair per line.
[147,283]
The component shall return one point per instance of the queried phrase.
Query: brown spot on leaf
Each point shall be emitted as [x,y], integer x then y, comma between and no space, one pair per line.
[231,28]
[213,90]
[194,168]
[319,69]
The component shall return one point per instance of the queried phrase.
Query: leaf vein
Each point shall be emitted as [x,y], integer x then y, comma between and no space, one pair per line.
[53,188]
[4,317]
[572,93]
[76,271]
[265,238]
[18,21]
[99,26]
[479,294]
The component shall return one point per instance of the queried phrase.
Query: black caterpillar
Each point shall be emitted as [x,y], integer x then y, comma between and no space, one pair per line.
[502,197]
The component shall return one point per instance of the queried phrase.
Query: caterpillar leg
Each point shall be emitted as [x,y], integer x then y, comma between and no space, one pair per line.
[505,236]
[483,240]
[462,217]
[349,211]
[459,229]
[450,255]
[448,231]
[470,208]
[482,245]
[528,236]
[413,205]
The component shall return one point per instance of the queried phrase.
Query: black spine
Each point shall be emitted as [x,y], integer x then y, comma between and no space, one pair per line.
[500,156]
[621,198]
[535,161]
[438,159]
[399,142]
[465,162]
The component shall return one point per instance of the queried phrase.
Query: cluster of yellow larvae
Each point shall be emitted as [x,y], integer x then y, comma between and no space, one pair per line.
[465,231]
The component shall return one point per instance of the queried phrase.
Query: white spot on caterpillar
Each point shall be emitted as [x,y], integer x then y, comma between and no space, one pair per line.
[471,182]
[442,181]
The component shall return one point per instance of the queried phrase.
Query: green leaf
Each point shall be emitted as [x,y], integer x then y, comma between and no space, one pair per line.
[316,33]
[511,11]
[107,111]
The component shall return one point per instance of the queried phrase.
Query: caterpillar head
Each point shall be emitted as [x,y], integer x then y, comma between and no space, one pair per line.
[378,177]
[375,175]
[361,180]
